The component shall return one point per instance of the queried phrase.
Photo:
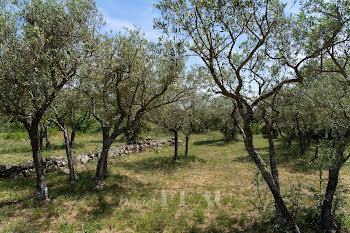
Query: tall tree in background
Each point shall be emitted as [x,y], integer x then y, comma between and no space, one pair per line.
[129,77]
[44,45]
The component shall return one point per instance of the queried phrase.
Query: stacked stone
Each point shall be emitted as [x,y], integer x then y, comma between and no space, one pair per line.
[54,163]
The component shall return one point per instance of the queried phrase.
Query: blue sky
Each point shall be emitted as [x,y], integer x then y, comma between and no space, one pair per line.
[127,13]
[122,13]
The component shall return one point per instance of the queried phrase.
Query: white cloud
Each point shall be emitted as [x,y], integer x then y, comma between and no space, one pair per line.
[153,35]
[118,24]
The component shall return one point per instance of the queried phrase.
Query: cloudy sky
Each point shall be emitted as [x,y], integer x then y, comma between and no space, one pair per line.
[120,14]
[127,13]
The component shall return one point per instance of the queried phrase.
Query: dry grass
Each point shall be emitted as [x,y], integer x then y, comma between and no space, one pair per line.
[131,200]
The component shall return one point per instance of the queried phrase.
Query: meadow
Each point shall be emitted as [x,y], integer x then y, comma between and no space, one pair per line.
[215,189]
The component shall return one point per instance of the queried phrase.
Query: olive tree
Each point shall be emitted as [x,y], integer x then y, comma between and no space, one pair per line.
[297,117]
[331,98]
[192,121]
[329,90]
[128,77]
[65,114]
[44,45]
[251,49]
[223,121]
[172,118]
[190,106]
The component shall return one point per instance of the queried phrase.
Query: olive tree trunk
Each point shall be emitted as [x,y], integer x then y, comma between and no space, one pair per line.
[72,175]
[333,178]
[273,163]
[304,144]
[326,212]
[41,136]
[42,192]
[46,134]
[62,125]
[247,116]
[101,170]
[176,144]
[186,146]
[72,137]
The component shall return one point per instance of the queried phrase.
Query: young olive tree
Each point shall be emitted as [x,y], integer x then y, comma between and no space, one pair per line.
[171,117]
[45,44]
[128,77]
[193,101]
[65,112]
[192,121]
[251,49]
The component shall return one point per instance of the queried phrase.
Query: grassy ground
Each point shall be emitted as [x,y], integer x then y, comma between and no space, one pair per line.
[212,190]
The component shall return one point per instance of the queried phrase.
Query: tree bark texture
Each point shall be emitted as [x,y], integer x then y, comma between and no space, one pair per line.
[42,192]
[247,116]
[101,170]
[327,223]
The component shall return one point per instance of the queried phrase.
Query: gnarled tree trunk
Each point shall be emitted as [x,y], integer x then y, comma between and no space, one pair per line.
[42,192]
[304,144]
[247,116]
[273,163]
[333,179]
[41,136]
[326,212]
[101,170]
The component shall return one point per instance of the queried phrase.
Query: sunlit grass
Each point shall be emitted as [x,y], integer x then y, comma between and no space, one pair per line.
[131,200]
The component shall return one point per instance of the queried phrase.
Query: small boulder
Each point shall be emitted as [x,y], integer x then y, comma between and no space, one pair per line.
[84,159]
[29,165]
[65,170]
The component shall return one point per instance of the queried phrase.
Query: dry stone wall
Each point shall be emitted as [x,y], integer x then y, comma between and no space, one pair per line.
[54,163]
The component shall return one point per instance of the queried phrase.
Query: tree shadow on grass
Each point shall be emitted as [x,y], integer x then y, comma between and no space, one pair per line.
[214,142]
[101,203]
[59,186]
[63,146]
[232,225]
[16,149]
[85,186]
[287,157]
[100,141]
[160,163]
